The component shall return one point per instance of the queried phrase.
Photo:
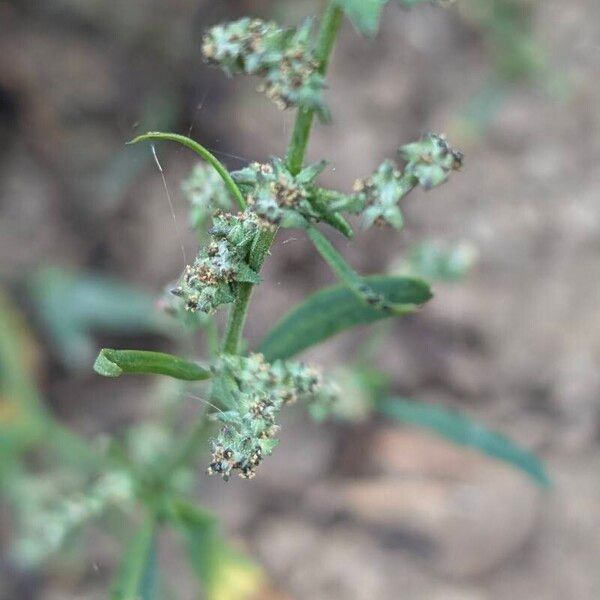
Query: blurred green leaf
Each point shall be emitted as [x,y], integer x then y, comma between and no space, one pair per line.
[22,412]
[352,279]
[364,14]
[73,306]
[459,429]
[436,261]
[113,363]
[134,580]
[223,573]
[335,309]
[24,419]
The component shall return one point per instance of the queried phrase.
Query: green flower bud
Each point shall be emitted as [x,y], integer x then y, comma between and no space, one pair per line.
[431,160]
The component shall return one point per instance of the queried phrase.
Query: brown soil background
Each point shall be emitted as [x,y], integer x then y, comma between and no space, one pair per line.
[369,511]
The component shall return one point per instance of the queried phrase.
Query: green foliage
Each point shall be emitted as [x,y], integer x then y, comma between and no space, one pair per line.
[153,467]
[335,309]
[355,282]
[461,430]
[113,363]
[364,14]
[73,306]
[224,573]
[135,580]
[435,261]
[50,509]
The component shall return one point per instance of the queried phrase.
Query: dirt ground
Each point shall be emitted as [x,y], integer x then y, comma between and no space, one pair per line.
[367,511]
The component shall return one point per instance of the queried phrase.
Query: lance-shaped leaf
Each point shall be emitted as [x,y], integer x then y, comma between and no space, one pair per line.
[352,279]
[459,429]
[136,577]
[335,309]
[113,363]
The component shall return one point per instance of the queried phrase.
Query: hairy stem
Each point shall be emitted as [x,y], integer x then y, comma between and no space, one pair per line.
[330,26]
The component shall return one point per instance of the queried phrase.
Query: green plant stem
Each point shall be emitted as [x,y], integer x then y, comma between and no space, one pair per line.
[330,26]
[188,448]
[211,332]
[237,319]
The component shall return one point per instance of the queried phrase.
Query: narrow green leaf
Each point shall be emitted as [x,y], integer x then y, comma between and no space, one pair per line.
[113,363]
[134,580]
[223,573]
[459,429]
[203,153]
[364,14]
[335,309]
[352,279]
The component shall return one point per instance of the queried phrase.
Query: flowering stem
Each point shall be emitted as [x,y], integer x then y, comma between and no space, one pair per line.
[330,26]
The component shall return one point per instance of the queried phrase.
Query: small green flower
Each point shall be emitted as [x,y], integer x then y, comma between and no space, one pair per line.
[431,160]
[383,192]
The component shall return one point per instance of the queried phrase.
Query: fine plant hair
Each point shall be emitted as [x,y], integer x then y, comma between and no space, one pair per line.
[241,390]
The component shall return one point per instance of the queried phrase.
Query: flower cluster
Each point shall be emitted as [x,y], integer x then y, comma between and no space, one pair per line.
[48,516]
[254,391]
[431,160]
[283,58]
[221,264]
[206,192]
[429,163]
[279,197]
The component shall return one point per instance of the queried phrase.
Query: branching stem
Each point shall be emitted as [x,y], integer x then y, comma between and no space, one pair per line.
[330,26]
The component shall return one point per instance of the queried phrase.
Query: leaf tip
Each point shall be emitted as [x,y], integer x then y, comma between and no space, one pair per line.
[103,365]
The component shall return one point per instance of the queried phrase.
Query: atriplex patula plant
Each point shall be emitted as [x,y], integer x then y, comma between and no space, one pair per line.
[246,390]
